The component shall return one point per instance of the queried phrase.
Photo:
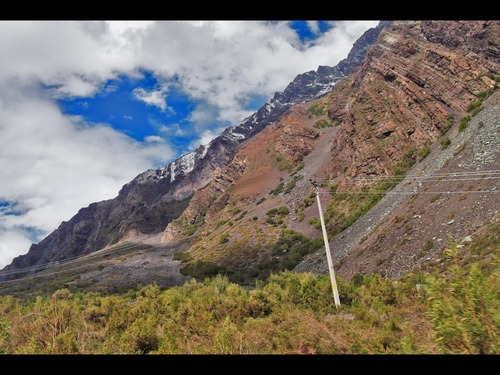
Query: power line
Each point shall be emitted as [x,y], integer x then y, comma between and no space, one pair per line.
[410,192]
[457,176]
[432,178]
[495,171]
[59,272]
[129,246]
[38,267]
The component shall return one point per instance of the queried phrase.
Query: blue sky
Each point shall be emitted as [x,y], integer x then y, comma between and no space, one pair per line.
[117,105]
[85,106]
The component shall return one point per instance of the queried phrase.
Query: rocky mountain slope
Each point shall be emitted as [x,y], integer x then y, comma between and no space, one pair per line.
[153,199]
[410,96]
[418,77]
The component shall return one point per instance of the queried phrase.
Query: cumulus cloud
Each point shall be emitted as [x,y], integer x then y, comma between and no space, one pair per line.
[154,139]
[52,164]
[156,98]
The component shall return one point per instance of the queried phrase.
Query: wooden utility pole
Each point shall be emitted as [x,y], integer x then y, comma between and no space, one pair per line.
[327,248]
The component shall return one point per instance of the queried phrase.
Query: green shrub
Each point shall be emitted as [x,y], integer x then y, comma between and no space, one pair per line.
[278,189]
[465,310]
[464,122]
[450,119]
[320,124]
[224,238]
[317,109]
[435,198]
[445,142]
[409,158]
[315,222]
[309,200]
[289,186]
[426,150]
[261,200]
[182,256]
[283,211]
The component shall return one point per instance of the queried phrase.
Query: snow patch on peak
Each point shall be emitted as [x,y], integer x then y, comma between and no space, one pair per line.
[182,165]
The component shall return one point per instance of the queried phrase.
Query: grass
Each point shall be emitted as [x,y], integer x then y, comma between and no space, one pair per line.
[290,313]
[426,150]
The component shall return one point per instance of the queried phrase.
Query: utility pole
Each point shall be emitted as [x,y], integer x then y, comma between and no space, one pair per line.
[327,248]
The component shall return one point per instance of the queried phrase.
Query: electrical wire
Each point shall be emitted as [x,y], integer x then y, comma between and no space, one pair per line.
[409,192]
[69,260]
[98,253]
[434,177]
[62,271]
[452,176]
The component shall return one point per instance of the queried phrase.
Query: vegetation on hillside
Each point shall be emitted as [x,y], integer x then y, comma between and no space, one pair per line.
[291,313]
[348,205]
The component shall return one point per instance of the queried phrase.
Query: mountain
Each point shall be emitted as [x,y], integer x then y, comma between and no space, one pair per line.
[149,203]
[431,84]
[422,104]
[401,137]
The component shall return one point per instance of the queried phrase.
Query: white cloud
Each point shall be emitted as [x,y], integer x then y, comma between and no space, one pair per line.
[51,164]
[172,129]
[313,26]
[12,243]
[154,139]
[156,98]
[206,137]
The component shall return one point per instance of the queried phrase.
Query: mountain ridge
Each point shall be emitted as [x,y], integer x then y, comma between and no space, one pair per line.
[148,203]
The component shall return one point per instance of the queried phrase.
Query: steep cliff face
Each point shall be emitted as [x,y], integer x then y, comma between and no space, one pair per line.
[157,197]
[415,79]
[401,97]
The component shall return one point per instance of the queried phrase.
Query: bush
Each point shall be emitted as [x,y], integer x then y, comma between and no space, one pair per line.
[278,189]
[224,238]
[316,110]
[182,256]
[445,142]
[280,212]
[426,150]
[283,211]
[464,122]
[320,124]
[465,310]
[450,119]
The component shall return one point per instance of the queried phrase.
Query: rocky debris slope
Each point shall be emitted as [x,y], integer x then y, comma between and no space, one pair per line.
[448,195]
